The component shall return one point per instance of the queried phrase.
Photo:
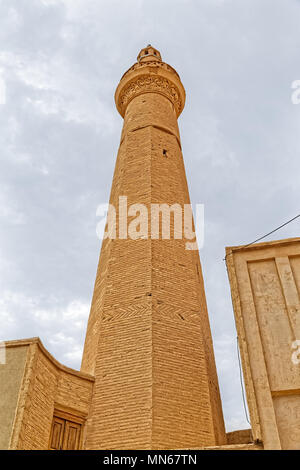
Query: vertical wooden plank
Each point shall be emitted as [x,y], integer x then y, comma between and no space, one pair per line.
[71,436]
[57,433]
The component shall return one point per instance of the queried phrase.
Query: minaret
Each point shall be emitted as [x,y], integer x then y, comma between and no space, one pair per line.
[148,340]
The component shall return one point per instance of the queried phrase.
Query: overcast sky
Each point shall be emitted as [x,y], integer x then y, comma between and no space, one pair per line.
[60,62]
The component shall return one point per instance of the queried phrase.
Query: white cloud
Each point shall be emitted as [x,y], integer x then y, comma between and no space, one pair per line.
[9,211]
[60,328]
[2,89]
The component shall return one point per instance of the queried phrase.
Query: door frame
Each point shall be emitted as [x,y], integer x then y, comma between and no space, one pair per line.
[68,414]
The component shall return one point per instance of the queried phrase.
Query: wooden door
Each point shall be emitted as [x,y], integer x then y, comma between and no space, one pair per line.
[65,434]
[57,433]
[71,436]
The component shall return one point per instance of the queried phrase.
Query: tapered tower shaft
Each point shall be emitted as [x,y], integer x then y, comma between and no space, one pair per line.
[148,340]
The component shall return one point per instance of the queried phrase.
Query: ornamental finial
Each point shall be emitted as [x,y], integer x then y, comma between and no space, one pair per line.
[149,53]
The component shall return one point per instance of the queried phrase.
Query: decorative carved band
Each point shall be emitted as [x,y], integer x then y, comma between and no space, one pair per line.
[147,84]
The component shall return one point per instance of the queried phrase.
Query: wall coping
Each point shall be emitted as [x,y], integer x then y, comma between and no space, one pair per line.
[254,246]
[36,340]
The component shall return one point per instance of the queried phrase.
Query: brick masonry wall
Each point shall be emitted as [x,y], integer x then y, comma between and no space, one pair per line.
[148,337]
[46,384]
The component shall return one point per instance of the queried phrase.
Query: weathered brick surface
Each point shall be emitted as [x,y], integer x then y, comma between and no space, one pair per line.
[46,384]
[148,339]
[38,414]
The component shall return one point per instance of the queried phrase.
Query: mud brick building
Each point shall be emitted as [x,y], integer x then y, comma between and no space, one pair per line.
[148,378]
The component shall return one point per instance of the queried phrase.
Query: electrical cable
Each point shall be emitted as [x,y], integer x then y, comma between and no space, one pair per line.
[267,234]
[237,339]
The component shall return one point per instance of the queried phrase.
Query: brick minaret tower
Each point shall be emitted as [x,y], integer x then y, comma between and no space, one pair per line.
[148,339]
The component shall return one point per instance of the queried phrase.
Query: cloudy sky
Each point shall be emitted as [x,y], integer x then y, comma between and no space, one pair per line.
[60,62]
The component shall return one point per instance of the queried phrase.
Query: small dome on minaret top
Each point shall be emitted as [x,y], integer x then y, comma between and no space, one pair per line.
[149,53]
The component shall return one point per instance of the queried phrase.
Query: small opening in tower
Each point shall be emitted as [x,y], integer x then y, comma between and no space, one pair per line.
[165,153]
[146,52]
